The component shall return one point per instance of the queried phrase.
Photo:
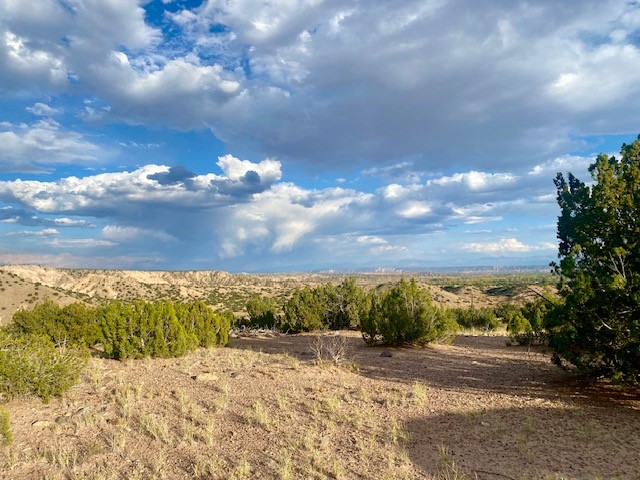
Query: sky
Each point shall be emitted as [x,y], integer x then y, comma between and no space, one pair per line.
[290,135]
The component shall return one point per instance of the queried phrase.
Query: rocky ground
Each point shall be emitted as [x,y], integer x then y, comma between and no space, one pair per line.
[266,407]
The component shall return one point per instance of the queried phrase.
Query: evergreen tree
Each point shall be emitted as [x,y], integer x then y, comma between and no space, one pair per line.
[598,327]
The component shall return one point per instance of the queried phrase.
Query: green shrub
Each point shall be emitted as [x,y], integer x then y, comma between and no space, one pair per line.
[159,329]
[206,327]
[530,325]
[6,437]
[329,306]
[74,324]
[262,312]
[481,318]
[32,365]
[345,304]
[505,311]
[304,311]
[405,315]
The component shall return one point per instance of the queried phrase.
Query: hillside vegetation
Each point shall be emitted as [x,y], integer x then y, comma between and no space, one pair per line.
[309,405]
[25,285]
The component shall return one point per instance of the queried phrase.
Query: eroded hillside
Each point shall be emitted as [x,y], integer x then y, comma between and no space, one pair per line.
[24,285]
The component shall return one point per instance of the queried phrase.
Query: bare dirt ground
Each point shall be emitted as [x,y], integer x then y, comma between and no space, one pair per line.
[265,408]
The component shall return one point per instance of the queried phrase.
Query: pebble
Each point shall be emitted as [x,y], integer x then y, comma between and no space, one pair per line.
[41,423]
[387,353]
[205,377]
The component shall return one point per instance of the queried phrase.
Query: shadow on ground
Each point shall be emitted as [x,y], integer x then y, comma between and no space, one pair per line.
[500,411]
[468,364]
[530,443]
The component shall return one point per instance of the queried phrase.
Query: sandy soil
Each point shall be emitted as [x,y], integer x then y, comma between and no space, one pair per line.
[266,408]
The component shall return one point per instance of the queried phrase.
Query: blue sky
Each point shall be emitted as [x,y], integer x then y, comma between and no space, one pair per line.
[303,134]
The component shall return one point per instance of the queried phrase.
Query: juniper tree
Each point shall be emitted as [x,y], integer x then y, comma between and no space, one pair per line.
[598,326]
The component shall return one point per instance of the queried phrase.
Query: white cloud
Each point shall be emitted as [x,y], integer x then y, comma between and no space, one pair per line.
[506,246]
[68,260]
[245,211]
[476,181]
[371,240]
[46,232]
[278,219]
[387,249]
[40,145]
[67,222]
[415,210]
[418,79]
[116,193]
[126,234]
[43,110]
[79,243]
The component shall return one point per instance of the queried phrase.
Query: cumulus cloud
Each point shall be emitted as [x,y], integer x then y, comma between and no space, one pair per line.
[124,193]
[476,181]
[244,211]
[42,110]
[38,146]
[505,246]
[436,82]
[371,240]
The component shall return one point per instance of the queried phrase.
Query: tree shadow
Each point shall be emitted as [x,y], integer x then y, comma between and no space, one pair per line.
[470,364]
[483,363]
[529,443]
[560,426]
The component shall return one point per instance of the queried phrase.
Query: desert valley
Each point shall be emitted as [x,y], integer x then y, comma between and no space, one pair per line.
[315,405]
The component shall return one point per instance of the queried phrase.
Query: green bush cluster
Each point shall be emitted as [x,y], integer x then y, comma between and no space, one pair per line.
[126,330]
[44,351]
[405,315]
[529,325]
[159,329]
[329,306]
[481,318]
[74,324]
[261,311]
[32,365]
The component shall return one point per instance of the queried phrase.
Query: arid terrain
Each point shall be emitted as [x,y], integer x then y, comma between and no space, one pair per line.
[266,408]
[318,405]
[24,285]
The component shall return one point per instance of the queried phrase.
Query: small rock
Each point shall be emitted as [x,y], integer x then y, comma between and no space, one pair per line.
[82,411]
[41,423]
[484,424]
[387,353]
[205,377]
